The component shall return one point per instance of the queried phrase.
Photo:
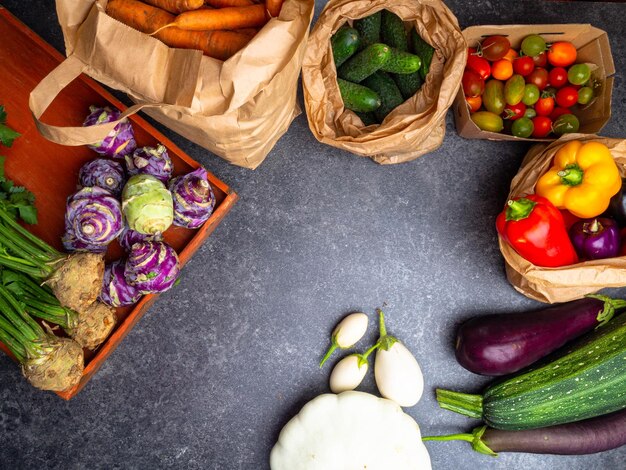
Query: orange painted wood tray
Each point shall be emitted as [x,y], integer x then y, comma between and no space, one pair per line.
[50,170]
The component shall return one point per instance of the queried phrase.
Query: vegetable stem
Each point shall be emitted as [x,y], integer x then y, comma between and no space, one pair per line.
[610,307]
[519,209]
[45,248]
[330,351]
[475,438]
[385,341]
[462,403]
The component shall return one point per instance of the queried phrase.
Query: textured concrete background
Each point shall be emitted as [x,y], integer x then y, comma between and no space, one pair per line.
[214,370]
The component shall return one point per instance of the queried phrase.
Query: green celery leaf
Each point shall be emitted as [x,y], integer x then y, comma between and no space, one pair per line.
[7,135]
[28,214]
[3,114]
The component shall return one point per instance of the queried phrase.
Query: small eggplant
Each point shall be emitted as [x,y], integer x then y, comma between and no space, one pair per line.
[588,436]
[346,334]
[596,238]
[348,373]
[501,344]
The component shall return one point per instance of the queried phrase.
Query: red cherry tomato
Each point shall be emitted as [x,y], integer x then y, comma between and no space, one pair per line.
[558,111]
[514,111]
[557,77]
[542,126]
[567,96]
[544,106]
[541,60]
[473,85]
[539,77]
[562,54]
[479,65]
[495,47]
[474,103]
[523,65]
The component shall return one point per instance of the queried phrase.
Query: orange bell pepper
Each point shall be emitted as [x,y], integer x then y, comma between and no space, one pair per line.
[582,179]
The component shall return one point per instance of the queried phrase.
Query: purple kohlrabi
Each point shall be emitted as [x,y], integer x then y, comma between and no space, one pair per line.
[152,267]
[153,161]
[193,199]
[120,141]
[104,173]
[129,237]
[116,292]
[93,218]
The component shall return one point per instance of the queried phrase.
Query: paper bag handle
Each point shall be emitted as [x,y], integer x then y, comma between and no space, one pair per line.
[48,89]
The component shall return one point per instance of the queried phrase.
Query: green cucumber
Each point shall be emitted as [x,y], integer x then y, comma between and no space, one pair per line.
[424,50]
[408,83]
[344,44]
[401,62]
[358,97]
[392,31]
[390,96]
[367,118]
[364,63]
[369,29]
[587,379]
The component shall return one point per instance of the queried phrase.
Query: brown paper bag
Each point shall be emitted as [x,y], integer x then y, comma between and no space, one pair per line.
[414,128]
[568,282]
[237,109]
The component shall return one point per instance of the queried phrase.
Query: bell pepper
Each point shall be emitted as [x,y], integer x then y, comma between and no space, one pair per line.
[596,239]
[534,228]
[582,179]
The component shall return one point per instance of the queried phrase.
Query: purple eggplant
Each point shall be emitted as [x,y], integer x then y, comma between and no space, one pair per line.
[153,161]
[501,344]
[129,237]
[120,141]
[152,267]
[596,238]
[116,292]
[104,173]
[588,436]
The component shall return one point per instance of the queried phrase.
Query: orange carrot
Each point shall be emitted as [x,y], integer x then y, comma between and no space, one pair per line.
[273,7]
[176,6]
[218,44]
[250,16]
[228,3]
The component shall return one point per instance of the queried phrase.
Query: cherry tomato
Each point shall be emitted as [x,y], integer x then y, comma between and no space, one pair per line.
[473,85]
[538,77]
[511,55]
[565,124]
[558,111]
[487,121]
[495,47]
[579,74]
[557,77]
[523,127]
[474,103]
[585,95]
[533,45]
[542,126]
[562,54]
[544,106]
[523,65]
[514,111]
[541,60]
[530,113]
[531,94]
[479,65]
[502,69]
[567,96]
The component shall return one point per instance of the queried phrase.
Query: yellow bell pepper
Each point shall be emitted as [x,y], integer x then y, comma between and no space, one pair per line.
[582,179]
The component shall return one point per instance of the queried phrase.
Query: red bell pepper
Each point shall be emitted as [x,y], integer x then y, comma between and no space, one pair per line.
[535,228]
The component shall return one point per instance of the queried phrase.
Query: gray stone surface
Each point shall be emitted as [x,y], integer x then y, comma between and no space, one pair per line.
[219,364]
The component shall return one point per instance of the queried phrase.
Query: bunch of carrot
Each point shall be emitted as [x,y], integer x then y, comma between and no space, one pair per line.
[219,28]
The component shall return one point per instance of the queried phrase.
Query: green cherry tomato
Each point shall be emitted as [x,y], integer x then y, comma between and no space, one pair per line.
[487,121]
[514,89]
[578,74]
[530,113]
[533,45]
[585,95]
[531,94]
[522,127]
[565,124]
[493,96]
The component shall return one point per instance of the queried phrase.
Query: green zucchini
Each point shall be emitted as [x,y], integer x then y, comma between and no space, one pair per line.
[401,62]
[344,44]
[364,63]
[586,380]
[357,97]
[424,50]
[392,31]
[390,96]
[369,29]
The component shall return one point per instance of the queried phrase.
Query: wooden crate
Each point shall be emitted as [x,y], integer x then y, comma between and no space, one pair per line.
[50,170]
